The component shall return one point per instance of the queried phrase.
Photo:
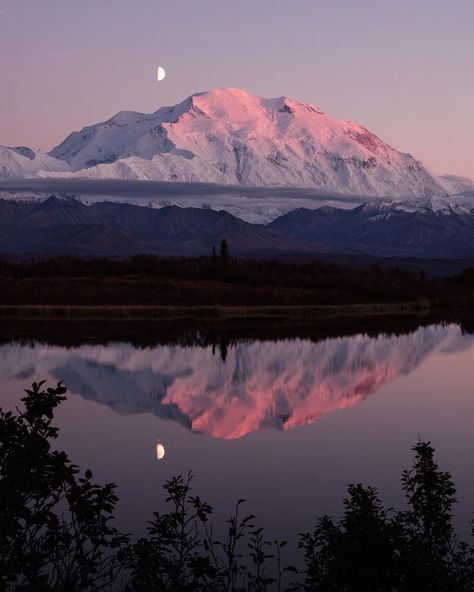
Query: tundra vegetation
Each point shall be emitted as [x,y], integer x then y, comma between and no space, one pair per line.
[222,280]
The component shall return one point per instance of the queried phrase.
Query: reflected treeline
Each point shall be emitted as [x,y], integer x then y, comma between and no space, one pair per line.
[220,335]
[227,387]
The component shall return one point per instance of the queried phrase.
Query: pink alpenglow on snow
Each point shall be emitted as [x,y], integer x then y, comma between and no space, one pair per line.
[230,137]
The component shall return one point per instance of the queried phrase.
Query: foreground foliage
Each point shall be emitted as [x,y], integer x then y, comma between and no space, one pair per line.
[56,530]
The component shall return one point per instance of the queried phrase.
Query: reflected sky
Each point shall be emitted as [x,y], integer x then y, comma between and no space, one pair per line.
[285,424]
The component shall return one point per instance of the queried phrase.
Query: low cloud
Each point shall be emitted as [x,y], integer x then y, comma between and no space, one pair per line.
[164,189]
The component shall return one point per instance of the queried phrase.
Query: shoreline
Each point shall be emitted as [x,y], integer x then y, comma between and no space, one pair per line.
[215,312]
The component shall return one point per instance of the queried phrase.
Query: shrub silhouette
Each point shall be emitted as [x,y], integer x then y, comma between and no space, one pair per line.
[56,530]
[181,552]
[371,548]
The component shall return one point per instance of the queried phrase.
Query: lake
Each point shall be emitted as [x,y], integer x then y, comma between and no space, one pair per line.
[283,421]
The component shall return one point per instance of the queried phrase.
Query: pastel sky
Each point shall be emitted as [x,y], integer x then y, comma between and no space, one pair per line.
[402,68]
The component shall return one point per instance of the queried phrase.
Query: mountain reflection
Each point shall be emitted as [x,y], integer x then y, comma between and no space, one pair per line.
[277,384]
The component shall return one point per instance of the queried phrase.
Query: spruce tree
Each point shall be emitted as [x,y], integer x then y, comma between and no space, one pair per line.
[224,252]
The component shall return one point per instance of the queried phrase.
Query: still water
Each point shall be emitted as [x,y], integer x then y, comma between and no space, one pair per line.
[284,423]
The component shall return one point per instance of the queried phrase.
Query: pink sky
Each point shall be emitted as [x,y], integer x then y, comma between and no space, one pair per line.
[402,69]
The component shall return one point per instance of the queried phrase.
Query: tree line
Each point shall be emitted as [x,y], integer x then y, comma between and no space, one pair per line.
[277,281]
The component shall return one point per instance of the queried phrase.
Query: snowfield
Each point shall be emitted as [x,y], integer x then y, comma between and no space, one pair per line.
[24,162]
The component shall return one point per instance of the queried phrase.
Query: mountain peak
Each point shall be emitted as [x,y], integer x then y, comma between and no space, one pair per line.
[233,103]
[229,136]
[225,92]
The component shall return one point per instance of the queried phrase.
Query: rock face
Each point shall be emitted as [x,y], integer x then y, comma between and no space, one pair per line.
[228,136]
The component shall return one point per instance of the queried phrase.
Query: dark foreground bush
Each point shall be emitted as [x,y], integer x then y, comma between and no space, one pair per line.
[56,530]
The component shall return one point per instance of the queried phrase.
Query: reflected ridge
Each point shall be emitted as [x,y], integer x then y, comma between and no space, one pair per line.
[255,385]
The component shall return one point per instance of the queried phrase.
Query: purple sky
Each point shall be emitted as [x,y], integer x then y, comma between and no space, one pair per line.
[403,69]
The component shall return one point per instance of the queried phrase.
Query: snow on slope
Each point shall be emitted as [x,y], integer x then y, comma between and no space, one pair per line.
[267,209]
[24,162]
[457,204]
[228,136]
[455,184]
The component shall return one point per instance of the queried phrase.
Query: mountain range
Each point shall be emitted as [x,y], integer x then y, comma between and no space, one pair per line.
[62,224]
[231,137]
[269,175]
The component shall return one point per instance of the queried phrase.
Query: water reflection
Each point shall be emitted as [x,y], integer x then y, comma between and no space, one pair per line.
[260,384]
[160,451]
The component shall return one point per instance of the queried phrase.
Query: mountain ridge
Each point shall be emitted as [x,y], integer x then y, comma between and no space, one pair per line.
[66,225]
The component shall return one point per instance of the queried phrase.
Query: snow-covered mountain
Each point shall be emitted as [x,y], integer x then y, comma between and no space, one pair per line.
[25,162]
[229,136]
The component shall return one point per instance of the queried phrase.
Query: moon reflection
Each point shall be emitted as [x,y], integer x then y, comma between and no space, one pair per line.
[160,451]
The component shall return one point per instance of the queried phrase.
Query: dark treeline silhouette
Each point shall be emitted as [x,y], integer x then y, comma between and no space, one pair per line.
[57,532]
[200,333]
[220,279]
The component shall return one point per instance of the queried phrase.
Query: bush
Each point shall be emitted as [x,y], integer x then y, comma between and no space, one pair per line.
[55,525]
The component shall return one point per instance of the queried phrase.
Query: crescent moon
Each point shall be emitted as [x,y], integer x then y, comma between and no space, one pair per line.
[160,73]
